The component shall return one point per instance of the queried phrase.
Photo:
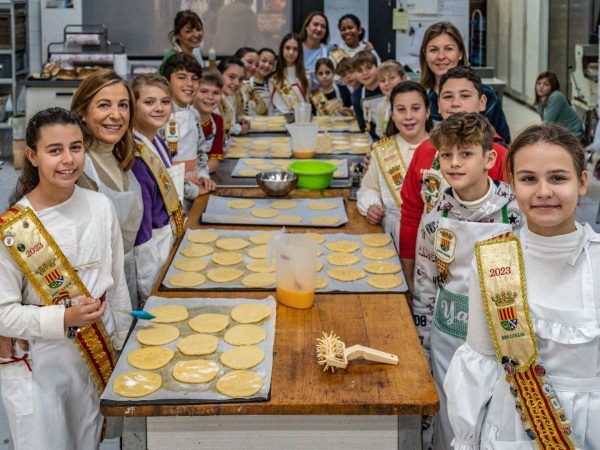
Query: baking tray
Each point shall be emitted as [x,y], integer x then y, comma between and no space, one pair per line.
[250,164]
[175,392]
[333,285]
[217,211]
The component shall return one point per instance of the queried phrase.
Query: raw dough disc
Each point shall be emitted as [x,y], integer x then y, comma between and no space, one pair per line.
[198,344]
[319,238]
[288,219]
[224,274]
[157,334]
[137,383]
[195,371]
[376,240]
[248,172]
[259,280]
[250,313]
[240,383]
[259,252]
[245,335]
[325,220]
[232,243]
[264,166]
[284,204]
[186,279]
[241,203]
[384,281]
[227,258]
[209,323]
[342,259]
[264,213]
[343,246]
[150,358]
[321,283]
[382,267]
[378,252]
[244,357]
[346,274]
[260,266]
[190,264]
[322,206]
[203,237]
[252,162]
[261,238]
[319,266]
[195,250]
[169,313]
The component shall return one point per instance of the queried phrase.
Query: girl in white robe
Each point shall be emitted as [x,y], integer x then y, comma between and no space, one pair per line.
[49,393]
[561,261]
[288,85]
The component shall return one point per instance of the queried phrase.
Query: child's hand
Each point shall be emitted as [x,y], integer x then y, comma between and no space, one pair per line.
[86,312]
[375,214]
[207,183]
[345,111]
[6,347]
[245,124]
[366,162]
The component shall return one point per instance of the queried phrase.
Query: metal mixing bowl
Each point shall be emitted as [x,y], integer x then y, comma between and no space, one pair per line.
[277,183]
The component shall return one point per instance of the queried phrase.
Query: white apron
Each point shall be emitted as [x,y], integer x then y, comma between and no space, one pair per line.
[450,315]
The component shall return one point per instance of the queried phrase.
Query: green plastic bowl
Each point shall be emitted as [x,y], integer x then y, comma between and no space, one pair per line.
[313,174]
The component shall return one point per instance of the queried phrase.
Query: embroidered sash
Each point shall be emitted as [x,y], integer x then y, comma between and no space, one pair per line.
[249,94]
[54,280]
[323,105]
[226,114]
[165,186]
[172,136]
[391,164]
[337,54]
[288,94]
[502,283]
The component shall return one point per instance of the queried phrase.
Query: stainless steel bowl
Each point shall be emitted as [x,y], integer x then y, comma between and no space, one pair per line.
[277,183]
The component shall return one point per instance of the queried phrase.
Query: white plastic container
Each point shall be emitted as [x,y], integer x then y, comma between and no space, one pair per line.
[304,139]
[302,112]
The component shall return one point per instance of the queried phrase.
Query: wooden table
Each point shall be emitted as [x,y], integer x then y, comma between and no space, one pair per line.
[367,405]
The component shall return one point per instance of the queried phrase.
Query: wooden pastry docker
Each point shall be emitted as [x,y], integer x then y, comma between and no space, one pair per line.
[332,353]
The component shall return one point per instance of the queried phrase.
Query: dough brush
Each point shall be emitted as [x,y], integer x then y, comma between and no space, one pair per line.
[332,353]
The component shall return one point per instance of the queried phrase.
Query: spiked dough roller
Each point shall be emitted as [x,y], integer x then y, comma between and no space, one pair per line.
[332,353]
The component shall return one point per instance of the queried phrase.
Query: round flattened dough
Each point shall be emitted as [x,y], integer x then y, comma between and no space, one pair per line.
[382,267]
[343,246]
[198,344]
[190,264]
[232,243]
[261,238]
[284,204]
[241,203]
[245,335]
[195,371]
[288,219]
[346,274]
[252,162]
[325,220]
[321,283]
[250,313]
[244,357]
[322,206]
[384,281]
[209,323]
[202,237]
[224,274]
[259,252]
[264,213]
[248,172]
[150,358]
[318,238]
[342,259]
[227,258]
[137,383]
[376,240]
[187,279]
[195,250]
[378,252]
[260,266]
[240,383]
[157,334]
[259,280]
[264,166]
[169,313]
[319,266]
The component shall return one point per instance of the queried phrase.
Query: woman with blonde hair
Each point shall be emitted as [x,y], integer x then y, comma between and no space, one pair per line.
[105,105]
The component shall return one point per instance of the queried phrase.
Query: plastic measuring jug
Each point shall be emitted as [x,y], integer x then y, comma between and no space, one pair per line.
[295,259]
[304,139]
[302,112]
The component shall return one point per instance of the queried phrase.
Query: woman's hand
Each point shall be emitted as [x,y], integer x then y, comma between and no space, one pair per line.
[86,312]
[375,214]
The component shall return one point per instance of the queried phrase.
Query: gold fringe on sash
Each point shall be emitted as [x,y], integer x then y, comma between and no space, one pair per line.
[392,166]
